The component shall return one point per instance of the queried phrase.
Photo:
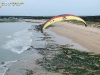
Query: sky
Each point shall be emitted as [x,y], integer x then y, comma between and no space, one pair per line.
[52,7]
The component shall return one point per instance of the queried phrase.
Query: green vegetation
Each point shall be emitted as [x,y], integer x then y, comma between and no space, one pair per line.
[92,21]
[91,18]
[8,20]
[26,17]
[74,62]
[86,18]
[77,62]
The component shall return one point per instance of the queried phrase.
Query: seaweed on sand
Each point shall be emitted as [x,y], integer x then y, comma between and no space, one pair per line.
[75,62]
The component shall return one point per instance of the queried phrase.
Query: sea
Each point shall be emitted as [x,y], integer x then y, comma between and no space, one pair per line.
[15,39]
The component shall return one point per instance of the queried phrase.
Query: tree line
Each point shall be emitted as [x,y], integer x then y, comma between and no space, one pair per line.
[86,18]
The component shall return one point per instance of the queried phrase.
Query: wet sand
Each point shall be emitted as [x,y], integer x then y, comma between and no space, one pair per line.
[28,66]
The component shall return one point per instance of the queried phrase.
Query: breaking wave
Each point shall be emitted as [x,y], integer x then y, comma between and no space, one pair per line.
[4,67]
[20,41]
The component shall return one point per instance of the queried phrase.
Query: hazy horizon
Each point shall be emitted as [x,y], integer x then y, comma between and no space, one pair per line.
[51,8]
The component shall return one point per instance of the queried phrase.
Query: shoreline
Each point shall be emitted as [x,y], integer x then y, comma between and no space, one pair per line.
[88,37]
[28,64]
[35,21]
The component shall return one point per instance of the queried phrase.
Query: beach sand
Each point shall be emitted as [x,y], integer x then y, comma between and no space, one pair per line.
[34,20]
[87,37]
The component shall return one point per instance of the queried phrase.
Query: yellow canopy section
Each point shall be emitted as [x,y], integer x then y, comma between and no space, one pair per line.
[62,18]
[74,18]
[51,21]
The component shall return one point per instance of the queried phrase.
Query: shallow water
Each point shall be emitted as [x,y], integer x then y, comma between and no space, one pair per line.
[12,38]
[15,39]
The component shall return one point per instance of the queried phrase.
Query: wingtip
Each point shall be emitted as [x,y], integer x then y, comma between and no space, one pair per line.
[85,25]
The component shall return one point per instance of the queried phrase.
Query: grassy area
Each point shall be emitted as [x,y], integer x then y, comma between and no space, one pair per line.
[8,20]
[75,62]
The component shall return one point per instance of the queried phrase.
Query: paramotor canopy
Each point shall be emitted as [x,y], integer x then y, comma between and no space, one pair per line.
[62,18]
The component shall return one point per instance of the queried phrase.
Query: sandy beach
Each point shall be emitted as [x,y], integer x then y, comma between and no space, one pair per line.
[35,21]
[88,37]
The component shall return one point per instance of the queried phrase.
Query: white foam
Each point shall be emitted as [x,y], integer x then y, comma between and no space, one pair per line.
[20,42]
[8,36]
[4,67]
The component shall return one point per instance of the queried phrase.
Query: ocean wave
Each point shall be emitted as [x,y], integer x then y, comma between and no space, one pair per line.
[4,67]
[20,42]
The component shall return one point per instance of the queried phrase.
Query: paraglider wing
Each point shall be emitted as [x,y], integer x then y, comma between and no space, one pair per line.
[75,18]
[52,20]
[62,18]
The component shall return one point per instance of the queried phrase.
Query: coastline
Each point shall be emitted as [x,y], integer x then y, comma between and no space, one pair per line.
[87,37]
[28,64]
